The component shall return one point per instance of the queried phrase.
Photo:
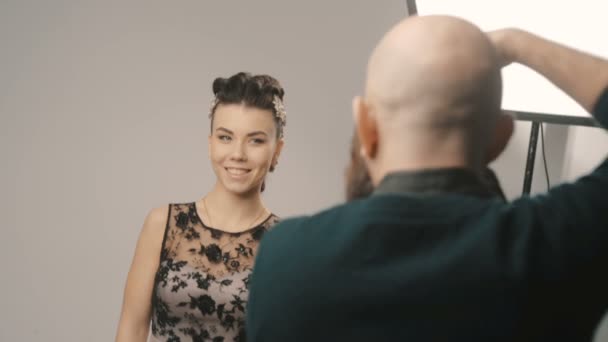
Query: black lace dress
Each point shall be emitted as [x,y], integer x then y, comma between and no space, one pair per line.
[201,286]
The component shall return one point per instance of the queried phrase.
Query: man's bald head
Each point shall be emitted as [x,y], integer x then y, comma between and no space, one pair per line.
[433,61]
[433,83]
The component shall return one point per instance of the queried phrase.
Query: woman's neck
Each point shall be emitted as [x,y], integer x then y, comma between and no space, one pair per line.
[228,211]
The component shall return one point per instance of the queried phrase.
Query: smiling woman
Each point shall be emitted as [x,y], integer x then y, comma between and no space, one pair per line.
[253,107]
[194,260]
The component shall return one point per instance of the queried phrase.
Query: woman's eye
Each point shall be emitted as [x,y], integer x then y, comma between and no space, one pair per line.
[258,141]
[224,138]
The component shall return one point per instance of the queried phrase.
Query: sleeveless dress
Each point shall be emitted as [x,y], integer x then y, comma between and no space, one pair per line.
[201,285]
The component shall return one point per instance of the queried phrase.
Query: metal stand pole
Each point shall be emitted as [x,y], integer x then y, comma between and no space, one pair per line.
[531,157]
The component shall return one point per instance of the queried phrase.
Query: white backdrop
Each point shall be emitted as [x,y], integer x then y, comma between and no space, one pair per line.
[581,24]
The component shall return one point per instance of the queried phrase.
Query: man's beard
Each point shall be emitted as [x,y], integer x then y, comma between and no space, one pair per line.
[358,182]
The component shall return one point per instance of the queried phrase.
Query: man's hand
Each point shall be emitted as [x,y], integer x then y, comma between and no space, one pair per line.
[580,75]
[504,41]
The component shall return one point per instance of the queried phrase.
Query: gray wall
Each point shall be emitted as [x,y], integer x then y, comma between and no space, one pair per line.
[103,115]
[103,110]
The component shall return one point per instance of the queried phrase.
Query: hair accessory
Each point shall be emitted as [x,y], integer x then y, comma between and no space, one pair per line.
[279,110]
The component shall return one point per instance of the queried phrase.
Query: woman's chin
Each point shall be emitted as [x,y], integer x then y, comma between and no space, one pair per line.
[241,189]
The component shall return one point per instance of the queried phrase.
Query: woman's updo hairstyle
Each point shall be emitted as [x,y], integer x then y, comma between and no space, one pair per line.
[259,91]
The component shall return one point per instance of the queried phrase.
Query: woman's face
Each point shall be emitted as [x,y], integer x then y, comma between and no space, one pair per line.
[242,146]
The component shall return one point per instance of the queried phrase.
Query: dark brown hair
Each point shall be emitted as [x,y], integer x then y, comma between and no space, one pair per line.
[251,90]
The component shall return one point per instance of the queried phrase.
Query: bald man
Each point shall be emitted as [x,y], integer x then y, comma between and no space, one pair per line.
[433,254]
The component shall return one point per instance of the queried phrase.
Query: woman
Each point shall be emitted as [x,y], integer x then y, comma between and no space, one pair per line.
[192,263]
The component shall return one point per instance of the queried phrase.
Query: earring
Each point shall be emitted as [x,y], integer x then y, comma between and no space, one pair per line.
[368,153]
[363,152]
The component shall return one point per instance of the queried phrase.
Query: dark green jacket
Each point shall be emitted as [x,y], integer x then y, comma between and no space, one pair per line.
[432,256]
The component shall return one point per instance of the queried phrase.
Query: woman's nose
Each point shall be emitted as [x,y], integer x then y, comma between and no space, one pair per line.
[238,152]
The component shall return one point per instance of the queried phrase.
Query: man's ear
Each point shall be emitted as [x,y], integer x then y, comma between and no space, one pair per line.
[503,131]
[367,128]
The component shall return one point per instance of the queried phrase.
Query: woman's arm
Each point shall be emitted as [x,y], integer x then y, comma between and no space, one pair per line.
[137,302]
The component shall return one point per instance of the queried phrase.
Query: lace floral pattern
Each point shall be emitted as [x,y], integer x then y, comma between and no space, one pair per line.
[202,282]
